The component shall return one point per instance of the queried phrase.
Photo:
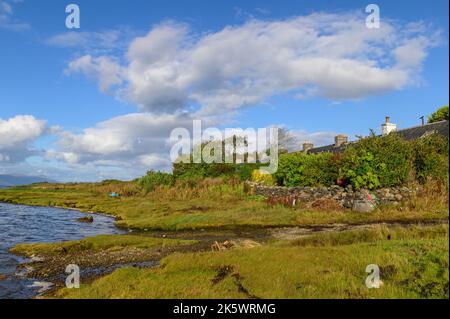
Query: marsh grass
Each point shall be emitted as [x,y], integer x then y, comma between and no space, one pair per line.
[413,264]
[212,204]
[97,243]
[413,260]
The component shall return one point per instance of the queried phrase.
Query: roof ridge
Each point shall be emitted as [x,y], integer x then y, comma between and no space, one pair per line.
[424,125]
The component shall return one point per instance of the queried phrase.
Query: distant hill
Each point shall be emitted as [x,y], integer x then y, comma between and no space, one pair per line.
[14,180]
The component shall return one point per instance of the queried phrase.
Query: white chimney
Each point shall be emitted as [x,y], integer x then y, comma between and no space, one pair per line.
[388,127]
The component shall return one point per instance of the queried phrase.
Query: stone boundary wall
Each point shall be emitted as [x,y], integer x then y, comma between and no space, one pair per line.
[359,200]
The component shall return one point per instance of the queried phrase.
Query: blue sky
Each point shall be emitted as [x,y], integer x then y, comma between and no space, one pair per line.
[99,102]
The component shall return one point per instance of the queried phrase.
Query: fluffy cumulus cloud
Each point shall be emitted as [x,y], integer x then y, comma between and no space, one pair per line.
[103,69]
[329,55]
[138,141]
[17,135]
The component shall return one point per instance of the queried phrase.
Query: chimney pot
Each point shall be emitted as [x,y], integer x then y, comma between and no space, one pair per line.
[307,146]
[388,119]
[340,140]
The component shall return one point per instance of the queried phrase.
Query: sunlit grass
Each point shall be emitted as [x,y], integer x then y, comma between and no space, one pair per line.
[413,263]
[209,205]
[100,242]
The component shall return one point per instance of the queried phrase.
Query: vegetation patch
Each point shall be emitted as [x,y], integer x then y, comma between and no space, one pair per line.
[97,243]
[211,205]
[413,264]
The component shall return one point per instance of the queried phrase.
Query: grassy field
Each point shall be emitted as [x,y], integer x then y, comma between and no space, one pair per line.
[207,206]
[413,264]
[413,259]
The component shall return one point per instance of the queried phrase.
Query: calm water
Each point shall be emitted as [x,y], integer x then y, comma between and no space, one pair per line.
[25,224]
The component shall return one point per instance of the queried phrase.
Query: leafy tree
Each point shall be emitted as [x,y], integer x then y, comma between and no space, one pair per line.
[440,115]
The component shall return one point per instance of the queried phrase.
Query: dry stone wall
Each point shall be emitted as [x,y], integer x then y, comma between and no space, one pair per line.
[359,200]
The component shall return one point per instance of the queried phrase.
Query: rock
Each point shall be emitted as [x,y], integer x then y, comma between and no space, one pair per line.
[87,219]
[34,258]
[344,196]
[363,206]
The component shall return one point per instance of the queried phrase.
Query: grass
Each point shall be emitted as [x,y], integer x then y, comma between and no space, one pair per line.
[413,263]
[378,233]
[209,205]
[413,260]
[97,243]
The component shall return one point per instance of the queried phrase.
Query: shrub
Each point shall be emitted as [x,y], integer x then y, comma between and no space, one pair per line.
[361,170]
[431,158]
[153,179]
[388,159]
[261,178]
[300,169]
[201,170]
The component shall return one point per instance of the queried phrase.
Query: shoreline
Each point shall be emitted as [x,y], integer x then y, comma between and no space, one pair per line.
[243,227]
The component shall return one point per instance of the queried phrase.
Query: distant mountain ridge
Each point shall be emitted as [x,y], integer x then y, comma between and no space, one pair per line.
[14,180]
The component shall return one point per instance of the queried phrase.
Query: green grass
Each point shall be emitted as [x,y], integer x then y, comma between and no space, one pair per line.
[204,207]
[377,233]
[413,263]
[97,243]
[413,260]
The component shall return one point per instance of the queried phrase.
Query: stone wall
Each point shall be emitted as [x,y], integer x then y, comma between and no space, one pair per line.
[359,200]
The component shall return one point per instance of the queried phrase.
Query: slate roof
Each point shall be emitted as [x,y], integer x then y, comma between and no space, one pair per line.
[411,133]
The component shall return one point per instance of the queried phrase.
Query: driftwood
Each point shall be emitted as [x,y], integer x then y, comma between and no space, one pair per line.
[222,246]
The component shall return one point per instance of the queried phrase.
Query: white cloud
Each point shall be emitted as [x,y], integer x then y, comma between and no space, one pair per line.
[7,20]
[94,42]
[329,55]
[317,138]
[138,140]
[17,135]
[103,69]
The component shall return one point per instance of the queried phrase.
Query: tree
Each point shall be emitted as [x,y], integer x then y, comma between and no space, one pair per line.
[440,115]
[286,140]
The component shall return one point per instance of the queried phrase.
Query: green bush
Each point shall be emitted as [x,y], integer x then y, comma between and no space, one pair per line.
[391,160]
[371,163]
[300,169]
[153,179]
[431,158]
[202,170]
[361,170]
